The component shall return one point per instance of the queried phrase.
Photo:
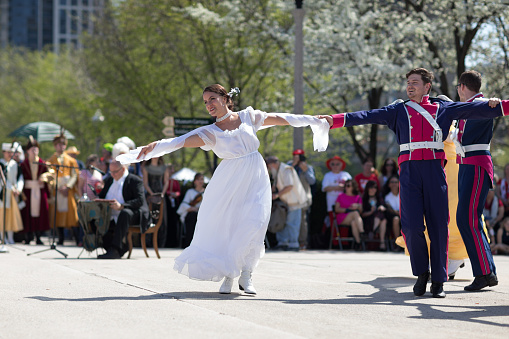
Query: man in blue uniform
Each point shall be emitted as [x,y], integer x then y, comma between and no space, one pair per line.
[419,125]
[475,178]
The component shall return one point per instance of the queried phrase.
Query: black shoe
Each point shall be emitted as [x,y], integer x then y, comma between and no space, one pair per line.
[111,254]
[481,281]
[437,289]
[39,242]
[420,284]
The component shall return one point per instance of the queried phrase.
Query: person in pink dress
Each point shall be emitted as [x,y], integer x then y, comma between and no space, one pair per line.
[348,211]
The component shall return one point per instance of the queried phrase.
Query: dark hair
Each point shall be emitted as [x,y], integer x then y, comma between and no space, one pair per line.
[90,159]
[60,139]
[355,186]
[365,195]
[196,177]
[383,169]
[147,163]
[471,79]
[386,189]
[218,89]
[426,76]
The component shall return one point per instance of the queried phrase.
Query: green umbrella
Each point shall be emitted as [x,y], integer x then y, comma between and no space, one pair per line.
[41,131]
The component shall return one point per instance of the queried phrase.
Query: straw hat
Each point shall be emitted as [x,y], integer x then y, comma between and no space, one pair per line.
[72,150]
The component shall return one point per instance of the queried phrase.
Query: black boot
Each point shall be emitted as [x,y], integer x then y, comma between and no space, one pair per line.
[420,284]
[481,281]
[437,289]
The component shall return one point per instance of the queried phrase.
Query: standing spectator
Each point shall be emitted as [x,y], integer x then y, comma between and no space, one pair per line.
[502,245]
[89,177]
[503,189]
[35,215]
[73,152]
[67,209]
[333,182]
[104,161]
[288,188]
[307,178]
[349,209]
[373,212]
[12,190]
[368,173]
[189,207]
[388,169]
[171,200]
[155,184]
[392,205]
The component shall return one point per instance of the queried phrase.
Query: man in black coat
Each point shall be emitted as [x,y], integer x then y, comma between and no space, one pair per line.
[129,206]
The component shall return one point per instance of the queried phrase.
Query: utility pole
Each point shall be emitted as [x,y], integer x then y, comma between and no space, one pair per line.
[298,82]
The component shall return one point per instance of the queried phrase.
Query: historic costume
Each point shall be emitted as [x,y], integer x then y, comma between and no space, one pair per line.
[35,215]
[423,188]
[475,178]
[14,182]
[65,202]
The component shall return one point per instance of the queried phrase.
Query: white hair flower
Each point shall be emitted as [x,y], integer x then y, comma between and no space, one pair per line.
[233,91]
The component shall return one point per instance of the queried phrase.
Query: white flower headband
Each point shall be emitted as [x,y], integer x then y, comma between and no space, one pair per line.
[233,91]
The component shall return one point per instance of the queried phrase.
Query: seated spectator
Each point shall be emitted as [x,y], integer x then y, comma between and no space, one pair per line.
[129,206]
[89,177]
[133,168]
[188,209]
[388,169]
[502,245]
[348,211]
[368,173]
[503,189]
[392,206]
[373,212]
[493,213]
[333,181]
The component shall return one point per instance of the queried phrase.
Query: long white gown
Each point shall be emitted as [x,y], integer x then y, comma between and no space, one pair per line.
[235,211]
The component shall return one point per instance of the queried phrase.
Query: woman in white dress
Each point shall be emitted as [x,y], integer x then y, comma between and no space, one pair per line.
[235,211]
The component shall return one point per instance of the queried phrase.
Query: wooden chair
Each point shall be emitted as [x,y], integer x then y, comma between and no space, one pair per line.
[151,230]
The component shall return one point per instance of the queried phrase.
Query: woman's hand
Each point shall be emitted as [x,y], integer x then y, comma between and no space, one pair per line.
[326,117]
[147,149]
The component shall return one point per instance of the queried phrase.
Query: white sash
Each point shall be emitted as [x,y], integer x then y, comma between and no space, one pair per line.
[436,144]
[62,200]
[35,197]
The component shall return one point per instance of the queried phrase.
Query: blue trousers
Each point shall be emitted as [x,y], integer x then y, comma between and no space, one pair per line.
[289,236]
[473,186]
[423,194]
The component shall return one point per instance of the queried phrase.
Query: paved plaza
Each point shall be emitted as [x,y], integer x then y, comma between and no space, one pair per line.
[307,294]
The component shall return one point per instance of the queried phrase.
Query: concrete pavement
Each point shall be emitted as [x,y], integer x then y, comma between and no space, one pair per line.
[309,294]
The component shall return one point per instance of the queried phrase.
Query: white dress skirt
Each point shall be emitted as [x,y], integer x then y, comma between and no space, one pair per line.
[235,211]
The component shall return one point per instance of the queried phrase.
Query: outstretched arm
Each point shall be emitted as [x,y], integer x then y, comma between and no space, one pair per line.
[274,120]
[192,141]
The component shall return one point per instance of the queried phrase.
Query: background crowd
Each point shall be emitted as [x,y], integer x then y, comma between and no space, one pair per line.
[363,207]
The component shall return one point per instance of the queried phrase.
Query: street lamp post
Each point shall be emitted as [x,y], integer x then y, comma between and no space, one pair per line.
[298,82]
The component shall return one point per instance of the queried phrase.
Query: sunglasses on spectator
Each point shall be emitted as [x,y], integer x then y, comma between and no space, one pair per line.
[335,164]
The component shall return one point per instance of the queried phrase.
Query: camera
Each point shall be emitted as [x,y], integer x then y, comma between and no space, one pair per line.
[302,157]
